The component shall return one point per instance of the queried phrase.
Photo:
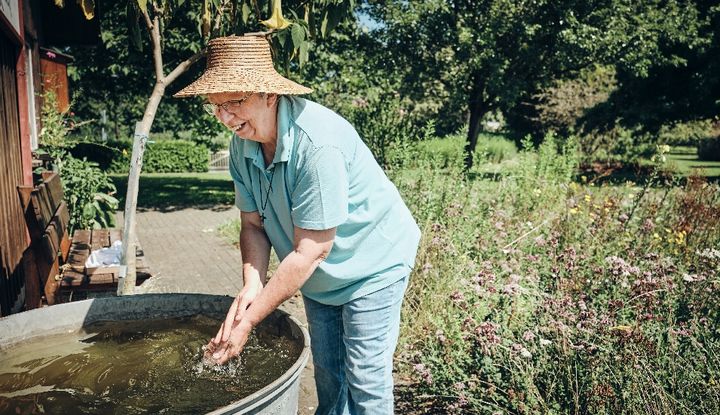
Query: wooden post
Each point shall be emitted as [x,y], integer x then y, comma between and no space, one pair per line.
[126,283]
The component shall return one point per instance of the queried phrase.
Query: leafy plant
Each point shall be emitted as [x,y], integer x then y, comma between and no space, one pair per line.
[88,193]
[55,129]
[381,123]
[709,149]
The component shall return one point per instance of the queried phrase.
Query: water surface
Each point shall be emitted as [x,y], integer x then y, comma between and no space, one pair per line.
[136,367]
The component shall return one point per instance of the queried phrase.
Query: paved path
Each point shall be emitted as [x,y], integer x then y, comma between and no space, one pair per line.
[187,255]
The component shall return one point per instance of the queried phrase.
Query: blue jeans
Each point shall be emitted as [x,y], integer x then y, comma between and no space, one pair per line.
[352,347]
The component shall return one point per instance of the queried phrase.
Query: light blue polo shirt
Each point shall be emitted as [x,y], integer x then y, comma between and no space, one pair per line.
[324,176]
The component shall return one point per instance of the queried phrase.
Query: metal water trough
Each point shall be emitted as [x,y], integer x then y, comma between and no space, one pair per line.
[279,397]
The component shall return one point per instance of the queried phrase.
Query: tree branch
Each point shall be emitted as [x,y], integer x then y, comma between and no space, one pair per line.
[218,18]
[153,27]
[157,49]
[183,66]
[148,22]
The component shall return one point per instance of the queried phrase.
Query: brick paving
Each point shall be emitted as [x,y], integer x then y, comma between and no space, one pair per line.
[187,255]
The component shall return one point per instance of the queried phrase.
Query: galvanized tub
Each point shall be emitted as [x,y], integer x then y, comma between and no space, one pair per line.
[279,397]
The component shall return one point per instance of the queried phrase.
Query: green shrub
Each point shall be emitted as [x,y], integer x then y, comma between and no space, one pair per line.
[494,148]
[88,193]
[55,125]
[709,149]
[450,150]
[102,154]
[167,156]
[562,105]
[381,124]
[689,133]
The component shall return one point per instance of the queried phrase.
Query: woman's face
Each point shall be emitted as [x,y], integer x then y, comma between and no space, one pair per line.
[254,119]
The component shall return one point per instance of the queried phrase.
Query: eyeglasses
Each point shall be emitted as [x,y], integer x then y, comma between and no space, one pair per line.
[229,106]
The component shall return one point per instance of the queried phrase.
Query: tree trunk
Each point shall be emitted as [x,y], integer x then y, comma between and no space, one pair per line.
[478,106]
[126,284]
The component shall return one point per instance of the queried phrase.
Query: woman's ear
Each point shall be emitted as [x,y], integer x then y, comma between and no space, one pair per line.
[271,99]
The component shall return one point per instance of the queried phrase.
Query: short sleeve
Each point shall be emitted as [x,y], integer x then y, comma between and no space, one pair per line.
[244,199]
[320,198]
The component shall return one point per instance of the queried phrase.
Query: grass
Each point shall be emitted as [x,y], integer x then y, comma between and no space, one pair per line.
[169,191]
[685,159]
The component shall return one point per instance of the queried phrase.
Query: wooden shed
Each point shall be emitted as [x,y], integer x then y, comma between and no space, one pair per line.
[24,26]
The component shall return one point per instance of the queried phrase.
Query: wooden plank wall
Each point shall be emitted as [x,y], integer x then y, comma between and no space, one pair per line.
[13,234]
[54,77]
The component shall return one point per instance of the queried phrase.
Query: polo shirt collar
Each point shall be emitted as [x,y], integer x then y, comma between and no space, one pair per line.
[284,130]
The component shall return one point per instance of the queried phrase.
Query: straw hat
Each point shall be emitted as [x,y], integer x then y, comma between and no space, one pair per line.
[241,64]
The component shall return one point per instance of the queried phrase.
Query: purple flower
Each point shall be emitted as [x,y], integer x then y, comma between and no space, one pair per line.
[424,373]
[457,297]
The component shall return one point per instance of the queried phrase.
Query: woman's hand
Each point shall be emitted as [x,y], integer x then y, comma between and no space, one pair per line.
[237,310]
[233,345]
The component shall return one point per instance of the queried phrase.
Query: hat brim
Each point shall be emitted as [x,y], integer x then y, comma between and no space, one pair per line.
[217,80]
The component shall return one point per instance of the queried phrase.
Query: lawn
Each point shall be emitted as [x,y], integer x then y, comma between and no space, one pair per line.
[170,191]
[685,160]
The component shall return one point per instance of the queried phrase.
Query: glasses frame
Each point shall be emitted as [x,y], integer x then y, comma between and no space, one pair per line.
[229,106]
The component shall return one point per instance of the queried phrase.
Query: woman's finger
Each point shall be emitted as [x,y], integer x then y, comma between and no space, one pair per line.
[219,334]
[244,304]
[230,318]
[231,351]
[220,353]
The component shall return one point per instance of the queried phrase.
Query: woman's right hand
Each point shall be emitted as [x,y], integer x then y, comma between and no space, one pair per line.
[237,310]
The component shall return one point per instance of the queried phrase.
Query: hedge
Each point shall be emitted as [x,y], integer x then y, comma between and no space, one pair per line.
[709,149]
[166,156]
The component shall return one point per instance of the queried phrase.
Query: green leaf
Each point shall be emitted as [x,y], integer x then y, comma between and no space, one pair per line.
[143,5]
[106,198]
[245,13]
[323,25]
[303,58]
[282,37]
[89,211]
[311,20]
[298,34]
[336,13]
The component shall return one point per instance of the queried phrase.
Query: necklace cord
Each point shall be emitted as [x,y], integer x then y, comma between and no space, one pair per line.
[267,196]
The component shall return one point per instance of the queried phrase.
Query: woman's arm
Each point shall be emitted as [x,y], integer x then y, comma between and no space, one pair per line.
[311,248]
[255,250]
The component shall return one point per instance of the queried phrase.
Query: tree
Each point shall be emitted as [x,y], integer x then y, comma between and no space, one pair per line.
[477,56]
[669,72]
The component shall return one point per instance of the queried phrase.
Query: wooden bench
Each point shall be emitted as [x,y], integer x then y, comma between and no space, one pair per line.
[54,264]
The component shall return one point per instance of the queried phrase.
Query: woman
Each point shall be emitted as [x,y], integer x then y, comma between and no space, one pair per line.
[308,186]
